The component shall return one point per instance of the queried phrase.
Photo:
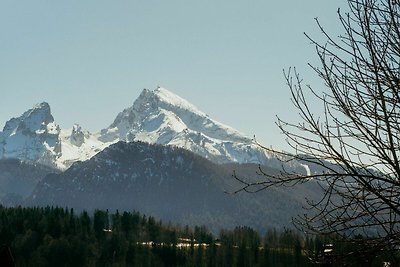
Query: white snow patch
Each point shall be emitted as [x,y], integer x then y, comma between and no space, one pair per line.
[307,168]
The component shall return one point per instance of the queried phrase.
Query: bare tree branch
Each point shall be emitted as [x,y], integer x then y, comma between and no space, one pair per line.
[355,139]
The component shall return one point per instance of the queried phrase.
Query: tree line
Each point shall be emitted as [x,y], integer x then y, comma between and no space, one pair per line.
[54,236]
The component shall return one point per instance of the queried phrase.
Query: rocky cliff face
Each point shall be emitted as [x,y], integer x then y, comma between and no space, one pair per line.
[77,137]
[34,136]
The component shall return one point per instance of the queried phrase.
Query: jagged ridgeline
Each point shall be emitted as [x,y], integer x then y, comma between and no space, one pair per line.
[158,117]
[161,156]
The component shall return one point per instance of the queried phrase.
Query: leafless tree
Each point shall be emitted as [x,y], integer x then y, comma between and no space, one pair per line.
[355,139]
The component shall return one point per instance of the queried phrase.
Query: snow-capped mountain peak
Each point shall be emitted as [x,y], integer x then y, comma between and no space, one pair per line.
[32,120]
[146,105]
[33,136]
[169,98]
[161,117]
[36,137]
[156,116]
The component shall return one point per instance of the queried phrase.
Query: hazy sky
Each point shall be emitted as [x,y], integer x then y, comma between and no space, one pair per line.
[91,59]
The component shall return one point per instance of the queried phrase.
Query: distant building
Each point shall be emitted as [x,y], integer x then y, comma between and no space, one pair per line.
[328,248]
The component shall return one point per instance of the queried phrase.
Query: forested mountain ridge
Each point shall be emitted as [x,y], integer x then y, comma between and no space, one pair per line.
[172,184]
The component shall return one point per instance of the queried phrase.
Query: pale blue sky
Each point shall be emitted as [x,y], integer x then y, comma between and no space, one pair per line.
[91,59]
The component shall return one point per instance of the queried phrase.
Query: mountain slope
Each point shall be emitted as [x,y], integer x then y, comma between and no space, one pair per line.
[34,136]
[169,183]
[156,117]
[161,117]
[77,144]
[18,180]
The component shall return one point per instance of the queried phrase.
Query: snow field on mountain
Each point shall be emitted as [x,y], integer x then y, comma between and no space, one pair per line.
[156,117]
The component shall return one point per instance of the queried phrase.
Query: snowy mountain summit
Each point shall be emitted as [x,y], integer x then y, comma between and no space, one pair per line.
[156,116]
[161,117]
[34,136]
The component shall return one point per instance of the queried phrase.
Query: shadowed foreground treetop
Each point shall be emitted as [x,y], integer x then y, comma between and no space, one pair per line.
[358,129]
